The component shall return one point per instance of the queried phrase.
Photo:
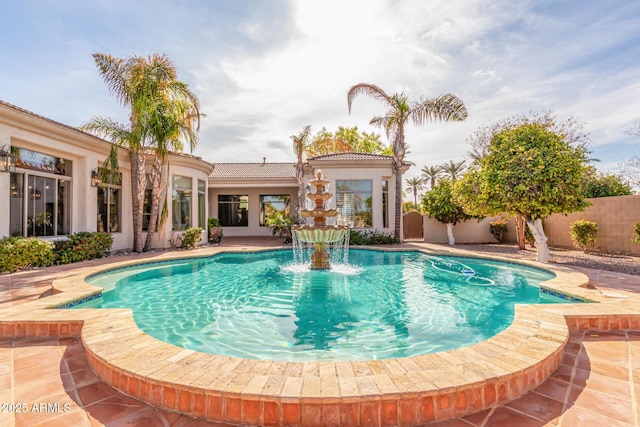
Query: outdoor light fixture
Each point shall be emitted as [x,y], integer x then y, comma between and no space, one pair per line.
[7,159]
[95,178]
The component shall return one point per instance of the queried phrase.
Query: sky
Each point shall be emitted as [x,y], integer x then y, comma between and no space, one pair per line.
[263,69]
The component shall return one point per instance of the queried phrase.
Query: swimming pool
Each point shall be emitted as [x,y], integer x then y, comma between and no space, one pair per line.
[384,305]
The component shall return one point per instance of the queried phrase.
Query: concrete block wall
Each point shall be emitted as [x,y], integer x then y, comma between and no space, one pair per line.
[615,217]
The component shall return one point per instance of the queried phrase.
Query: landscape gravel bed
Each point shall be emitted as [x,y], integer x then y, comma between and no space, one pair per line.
[621,263]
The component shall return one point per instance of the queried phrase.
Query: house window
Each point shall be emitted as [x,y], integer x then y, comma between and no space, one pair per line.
[181,202]
[40,195]
[233,211]
[202,212]
[146,208]
[16,204]
[40,162]
[385,203]
[109,207]
[271,204]
[353,199]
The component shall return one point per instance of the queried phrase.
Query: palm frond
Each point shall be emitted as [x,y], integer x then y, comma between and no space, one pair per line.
[110,170]
[447,107]
[106,128]
[367,89]
[113,73]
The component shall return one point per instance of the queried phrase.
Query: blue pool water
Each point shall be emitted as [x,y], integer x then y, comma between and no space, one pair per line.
[383,305]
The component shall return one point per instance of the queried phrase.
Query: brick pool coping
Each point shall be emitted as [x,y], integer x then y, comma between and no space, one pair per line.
[402,391]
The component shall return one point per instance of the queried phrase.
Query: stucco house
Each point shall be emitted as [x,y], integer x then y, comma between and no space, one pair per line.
[50,190]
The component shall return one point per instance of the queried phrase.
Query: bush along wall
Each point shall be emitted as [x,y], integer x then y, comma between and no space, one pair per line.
[82,246]
[583,234]
[371,237]
[18,253]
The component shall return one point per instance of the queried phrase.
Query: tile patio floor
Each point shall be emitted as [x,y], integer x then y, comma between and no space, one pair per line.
[597,383]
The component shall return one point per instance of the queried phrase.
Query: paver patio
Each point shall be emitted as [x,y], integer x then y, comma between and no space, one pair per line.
[597,383]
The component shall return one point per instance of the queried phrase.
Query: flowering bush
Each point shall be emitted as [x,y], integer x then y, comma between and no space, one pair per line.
[82,246]
[17,253]
[636,233]
[583,234]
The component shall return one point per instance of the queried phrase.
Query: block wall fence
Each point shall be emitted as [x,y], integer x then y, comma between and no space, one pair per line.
[615,217]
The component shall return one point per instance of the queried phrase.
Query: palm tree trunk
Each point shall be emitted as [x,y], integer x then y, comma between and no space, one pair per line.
[302,201]
[415,196]
[138,184]
[157,183]
[398,201]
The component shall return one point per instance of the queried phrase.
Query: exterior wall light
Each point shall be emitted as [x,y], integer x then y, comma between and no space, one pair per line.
[7,159]
[95,178]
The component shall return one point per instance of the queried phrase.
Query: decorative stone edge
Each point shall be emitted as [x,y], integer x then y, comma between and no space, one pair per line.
[409,391]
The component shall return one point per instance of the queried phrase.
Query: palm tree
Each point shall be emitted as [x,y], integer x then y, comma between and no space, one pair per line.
[415,185]
[300,143]
[432,173]
[174,120]
[148,86]
[445,107]
[453,170]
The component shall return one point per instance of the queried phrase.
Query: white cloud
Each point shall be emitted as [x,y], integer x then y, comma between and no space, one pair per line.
[264,69]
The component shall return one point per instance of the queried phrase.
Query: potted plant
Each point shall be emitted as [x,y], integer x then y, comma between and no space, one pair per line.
[215,230]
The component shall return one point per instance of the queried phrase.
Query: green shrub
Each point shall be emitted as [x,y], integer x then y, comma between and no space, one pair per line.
[280,225]
[371,237]
[213,222]
[498,229]
[82,246]
[17,253]
[191,237]
[583,234]
[636,233]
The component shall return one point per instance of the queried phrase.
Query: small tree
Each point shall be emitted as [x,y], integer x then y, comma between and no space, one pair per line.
[439,203]
[583,234]
[529,171]
[410,207]
[602,185]
[346,140]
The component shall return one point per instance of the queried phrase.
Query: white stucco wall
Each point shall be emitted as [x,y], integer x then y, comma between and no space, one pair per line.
[254,193]
[375,171]
[25,130]
[21,130]
[353,171]
[188,168]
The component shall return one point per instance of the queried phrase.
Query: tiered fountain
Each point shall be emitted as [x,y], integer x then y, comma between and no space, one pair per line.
[319,234]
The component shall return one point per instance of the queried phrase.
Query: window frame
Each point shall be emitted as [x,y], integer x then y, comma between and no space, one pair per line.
[182,192]
[244,220]
[58,222]
[340,200]
[263,216]
[108,189]
[202,204]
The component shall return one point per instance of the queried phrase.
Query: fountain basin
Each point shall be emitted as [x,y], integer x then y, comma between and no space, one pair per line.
[325,234]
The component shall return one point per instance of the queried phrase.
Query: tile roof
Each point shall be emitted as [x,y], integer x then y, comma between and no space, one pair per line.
[352,156]
[253,170]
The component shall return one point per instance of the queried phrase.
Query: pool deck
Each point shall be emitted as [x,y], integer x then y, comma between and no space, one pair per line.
[591,352]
